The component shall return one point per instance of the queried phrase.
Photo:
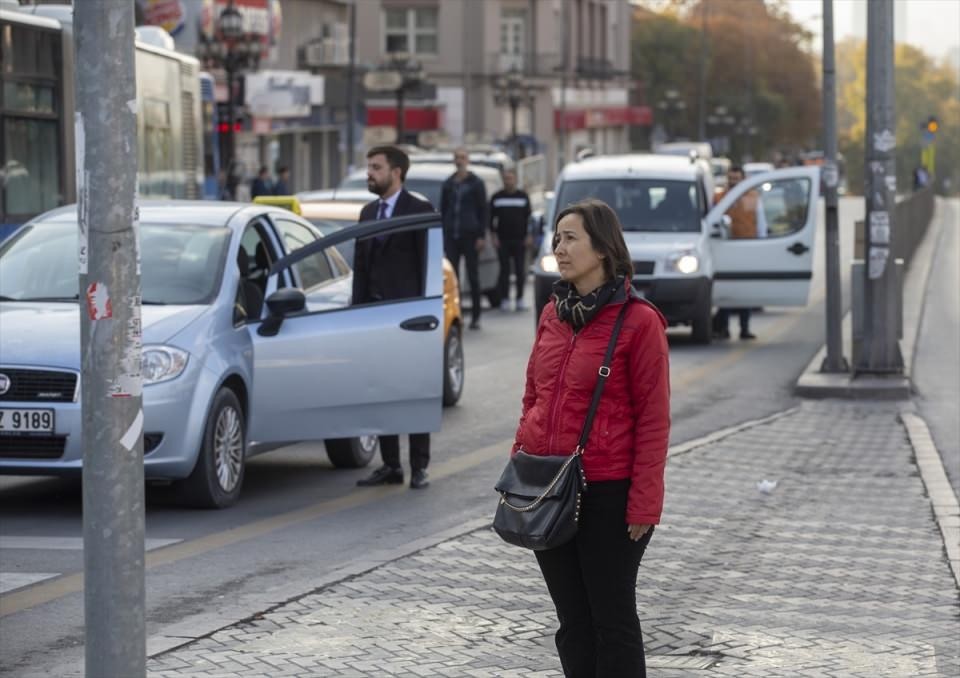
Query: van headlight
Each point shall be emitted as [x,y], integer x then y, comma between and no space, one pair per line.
[548,263]
[685,262]
[162,363]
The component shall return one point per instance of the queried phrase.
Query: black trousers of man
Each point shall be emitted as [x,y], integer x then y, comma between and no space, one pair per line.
[722,321]
[593,583]
[419,451]
[466,247]
[513,257]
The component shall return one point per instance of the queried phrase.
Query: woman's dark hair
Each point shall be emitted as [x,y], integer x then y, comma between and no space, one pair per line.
[605,232]
[396,158]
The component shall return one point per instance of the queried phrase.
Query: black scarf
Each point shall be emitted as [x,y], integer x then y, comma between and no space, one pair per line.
[577,310]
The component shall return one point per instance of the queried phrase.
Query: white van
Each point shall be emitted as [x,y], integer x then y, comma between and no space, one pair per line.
[684,258]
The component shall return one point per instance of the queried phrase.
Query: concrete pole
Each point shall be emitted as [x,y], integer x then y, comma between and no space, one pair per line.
[110,343]
[834,361]
[880,348]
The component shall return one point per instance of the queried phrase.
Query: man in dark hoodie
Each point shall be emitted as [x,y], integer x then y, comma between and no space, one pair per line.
[463,208]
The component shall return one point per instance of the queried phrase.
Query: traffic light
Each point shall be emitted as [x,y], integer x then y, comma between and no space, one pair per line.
[932,125]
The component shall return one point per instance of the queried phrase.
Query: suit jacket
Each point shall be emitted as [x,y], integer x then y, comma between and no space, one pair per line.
[393,268]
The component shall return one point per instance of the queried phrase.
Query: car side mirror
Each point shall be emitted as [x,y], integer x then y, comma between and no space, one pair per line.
[281,304]
[721,229]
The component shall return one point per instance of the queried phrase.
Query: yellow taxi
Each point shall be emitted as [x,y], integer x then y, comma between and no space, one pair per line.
[328,215]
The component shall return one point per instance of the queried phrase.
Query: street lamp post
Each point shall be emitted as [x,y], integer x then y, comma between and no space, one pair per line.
[510,91]
[234,50]
[671,103]
[410,74]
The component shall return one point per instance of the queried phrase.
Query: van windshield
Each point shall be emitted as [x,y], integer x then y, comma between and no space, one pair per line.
[653,205]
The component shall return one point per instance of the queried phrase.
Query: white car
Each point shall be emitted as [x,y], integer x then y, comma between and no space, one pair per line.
[684,258]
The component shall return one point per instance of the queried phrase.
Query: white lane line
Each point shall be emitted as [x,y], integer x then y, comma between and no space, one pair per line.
[15,580]
[66,543]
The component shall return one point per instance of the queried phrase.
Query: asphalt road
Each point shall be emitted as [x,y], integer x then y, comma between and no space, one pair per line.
[299,519]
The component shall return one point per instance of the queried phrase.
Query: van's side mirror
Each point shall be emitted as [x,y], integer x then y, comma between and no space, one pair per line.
[281,303]
[721,229]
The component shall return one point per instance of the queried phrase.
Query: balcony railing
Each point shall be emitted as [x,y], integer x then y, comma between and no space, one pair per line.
[598,69]
[530,64]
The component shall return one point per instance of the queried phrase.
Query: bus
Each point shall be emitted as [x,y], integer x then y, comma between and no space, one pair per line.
[37,107]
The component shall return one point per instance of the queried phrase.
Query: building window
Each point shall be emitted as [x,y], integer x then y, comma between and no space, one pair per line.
[411,29]
[513,38]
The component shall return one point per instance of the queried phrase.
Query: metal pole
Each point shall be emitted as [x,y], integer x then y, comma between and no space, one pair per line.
[351,78]
[400,112]
[702,103]
[110,340]
[834,361]
[514,104]
[232,115]
[880,348]
[564,66]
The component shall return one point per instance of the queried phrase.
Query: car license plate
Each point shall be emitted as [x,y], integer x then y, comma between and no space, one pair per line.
[26,421]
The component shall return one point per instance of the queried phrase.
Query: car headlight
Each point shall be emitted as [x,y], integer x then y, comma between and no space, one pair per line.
[683,262]
[162,363]
[549,263]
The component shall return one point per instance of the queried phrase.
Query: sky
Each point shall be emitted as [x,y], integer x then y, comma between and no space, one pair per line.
[931,25]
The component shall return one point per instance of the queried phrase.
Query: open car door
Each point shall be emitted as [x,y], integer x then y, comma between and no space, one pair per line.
[335,370]
[769,260]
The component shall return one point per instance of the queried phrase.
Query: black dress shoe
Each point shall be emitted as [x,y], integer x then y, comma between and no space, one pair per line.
[418,479]
[475,325]
[385,475]
[747,335]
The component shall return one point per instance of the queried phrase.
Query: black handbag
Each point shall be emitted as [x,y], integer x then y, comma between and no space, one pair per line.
[540,494]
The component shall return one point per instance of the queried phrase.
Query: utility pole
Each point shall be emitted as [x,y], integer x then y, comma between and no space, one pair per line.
[564,67]
[110,343]
[880,347]
[834,361]
[351,86]
[702,103]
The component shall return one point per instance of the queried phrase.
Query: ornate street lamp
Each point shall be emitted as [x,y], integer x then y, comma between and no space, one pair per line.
[397,73]
[671,103]
[234,50]
[510,90]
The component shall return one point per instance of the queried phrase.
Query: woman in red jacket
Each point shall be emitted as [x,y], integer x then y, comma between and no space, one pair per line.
[592,579]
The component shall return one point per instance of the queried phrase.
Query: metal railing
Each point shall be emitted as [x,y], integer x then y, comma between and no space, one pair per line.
[530,64]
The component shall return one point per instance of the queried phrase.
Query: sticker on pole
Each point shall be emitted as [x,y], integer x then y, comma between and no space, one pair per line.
[885,141]
[99,306]
[879,228]
[878,262]
[831,176]
[891,181]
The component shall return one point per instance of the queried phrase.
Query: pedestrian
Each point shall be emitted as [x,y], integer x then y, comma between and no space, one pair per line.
[261,185]
[463,208]
[746,221]
[282,185]
[592,579]
[392,267]
[509,228]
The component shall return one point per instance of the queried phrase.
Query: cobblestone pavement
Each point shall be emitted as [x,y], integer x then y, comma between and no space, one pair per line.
[838,571]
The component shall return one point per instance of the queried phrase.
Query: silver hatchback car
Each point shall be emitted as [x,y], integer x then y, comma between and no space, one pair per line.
[250,341]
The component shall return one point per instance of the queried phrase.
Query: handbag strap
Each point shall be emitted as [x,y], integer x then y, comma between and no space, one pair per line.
[603,373]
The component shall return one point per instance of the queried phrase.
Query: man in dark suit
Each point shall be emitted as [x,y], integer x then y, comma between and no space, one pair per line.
[392,267]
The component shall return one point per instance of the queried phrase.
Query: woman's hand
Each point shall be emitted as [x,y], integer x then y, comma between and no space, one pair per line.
[635,532]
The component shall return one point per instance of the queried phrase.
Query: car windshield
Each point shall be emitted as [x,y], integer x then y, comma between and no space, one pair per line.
[654,205]
[180,264]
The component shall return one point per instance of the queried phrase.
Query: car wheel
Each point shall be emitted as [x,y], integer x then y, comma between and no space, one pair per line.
[702,325]
[453,370]
[217,476]
[352,452]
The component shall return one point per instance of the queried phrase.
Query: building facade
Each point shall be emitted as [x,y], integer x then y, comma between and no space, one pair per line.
[566,60]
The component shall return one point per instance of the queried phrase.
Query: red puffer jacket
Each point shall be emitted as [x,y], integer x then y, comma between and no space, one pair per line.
[631,429]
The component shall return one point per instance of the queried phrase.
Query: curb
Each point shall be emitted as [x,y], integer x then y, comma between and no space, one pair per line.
[943,500]
[815,384]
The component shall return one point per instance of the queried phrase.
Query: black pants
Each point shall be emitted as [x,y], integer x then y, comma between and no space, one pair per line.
[466,247]
[512,252]
[419,450]
[722,319]
[593,582]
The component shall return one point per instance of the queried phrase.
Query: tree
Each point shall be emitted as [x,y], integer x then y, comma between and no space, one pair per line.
[922,88]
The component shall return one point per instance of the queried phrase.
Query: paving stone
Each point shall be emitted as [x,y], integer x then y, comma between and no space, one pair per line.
[839,571]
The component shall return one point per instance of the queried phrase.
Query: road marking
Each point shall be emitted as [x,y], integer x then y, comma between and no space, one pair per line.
[73,583]
[66,543]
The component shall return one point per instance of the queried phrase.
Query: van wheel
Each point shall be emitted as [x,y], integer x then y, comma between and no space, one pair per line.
[702,325]
[217,476]
[453,371]
[352,452]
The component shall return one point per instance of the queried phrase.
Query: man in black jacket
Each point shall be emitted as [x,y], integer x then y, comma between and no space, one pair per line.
[463,206]
[392,267]
[509,228]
